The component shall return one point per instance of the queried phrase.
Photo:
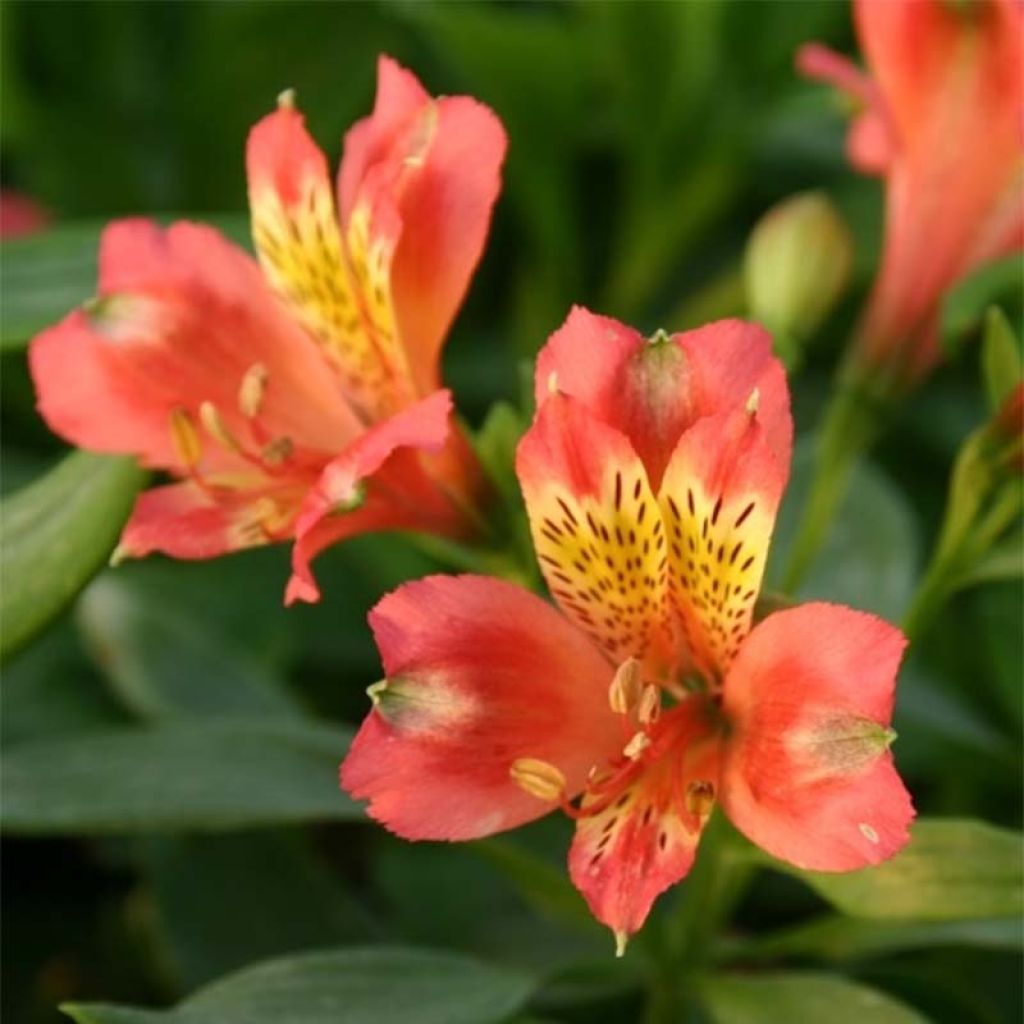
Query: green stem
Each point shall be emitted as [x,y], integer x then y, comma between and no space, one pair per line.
[852,421]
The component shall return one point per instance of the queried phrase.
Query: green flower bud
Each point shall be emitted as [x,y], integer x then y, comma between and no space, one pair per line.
[796,266]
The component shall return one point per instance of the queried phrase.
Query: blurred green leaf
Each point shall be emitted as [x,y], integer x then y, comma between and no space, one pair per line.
[353,986]
[55,534]
[162,659]
[838,938]
[965,306]
[46,275]
[226,901]
[800,996]
[869,560]
[949,870]
[547,889]
[195,776]
[1001,363]
[48,690]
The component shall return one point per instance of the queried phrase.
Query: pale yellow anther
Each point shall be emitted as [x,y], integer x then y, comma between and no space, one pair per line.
[269,515]
[214,425]
[621,938]
[553,383]
[278,451]
[636,746]
[649,708]
[538,778]
[700,798]
[624,691]
[754,402]
[374,692]
[286,100]
[117,556]
[252,390]
[185,438]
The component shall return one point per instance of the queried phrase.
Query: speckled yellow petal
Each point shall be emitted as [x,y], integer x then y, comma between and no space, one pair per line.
[719,497]
[596,526]
[339,289]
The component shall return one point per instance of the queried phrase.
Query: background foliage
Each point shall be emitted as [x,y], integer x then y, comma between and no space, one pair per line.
[170,743]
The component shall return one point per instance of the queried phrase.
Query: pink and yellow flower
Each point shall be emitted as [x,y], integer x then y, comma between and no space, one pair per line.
[652,475]
[942,119]
[297,398]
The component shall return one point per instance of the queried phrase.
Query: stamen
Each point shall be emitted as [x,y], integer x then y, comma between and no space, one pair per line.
[185,438]
[286,100]
[252,390]
[700,798]
[553,383]
[215,426]
[621,938]
[538,778]
[374,691]
[753,402]
[636,746]
[650,705]
[278,451]
[624,691]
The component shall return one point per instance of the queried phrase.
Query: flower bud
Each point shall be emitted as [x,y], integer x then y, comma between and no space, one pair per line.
[796,266]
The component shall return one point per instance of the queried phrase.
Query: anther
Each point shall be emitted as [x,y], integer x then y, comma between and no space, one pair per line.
[553,383]
[754,402]
[538,778]
[286,100]
[624,691]
[252,390]
[621,938]
[700,798]
[649,707]
[636,746]
[278,451]
[213,423]
[185,438]
[374,692]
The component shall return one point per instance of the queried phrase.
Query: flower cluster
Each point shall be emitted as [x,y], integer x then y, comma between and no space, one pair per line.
[297,398]
[652,474]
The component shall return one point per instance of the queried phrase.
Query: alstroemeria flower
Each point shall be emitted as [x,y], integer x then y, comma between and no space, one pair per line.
[298,397]
[943,120]
[652,475]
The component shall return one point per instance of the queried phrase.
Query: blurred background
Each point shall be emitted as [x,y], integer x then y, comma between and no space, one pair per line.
[645,141]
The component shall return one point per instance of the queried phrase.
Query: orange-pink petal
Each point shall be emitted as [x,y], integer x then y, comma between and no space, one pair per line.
[807,773]
[378,483]
[480,673]
[653,390]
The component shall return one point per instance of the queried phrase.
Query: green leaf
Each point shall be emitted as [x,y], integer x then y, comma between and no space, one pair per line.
[800,996]
[46,275]
[1001,364]
[955,869]
[197,776]
[224,901]
[964,307]
[54,536]
[546,888]
[162,659]
[869,560]
[837,938]
[352,986]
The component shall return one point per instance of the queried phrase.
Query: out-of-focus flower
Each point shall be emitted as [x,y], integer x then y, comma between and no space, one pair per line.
[302,401]
[796,266]
[652,475]
[942,118]
[20,215]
